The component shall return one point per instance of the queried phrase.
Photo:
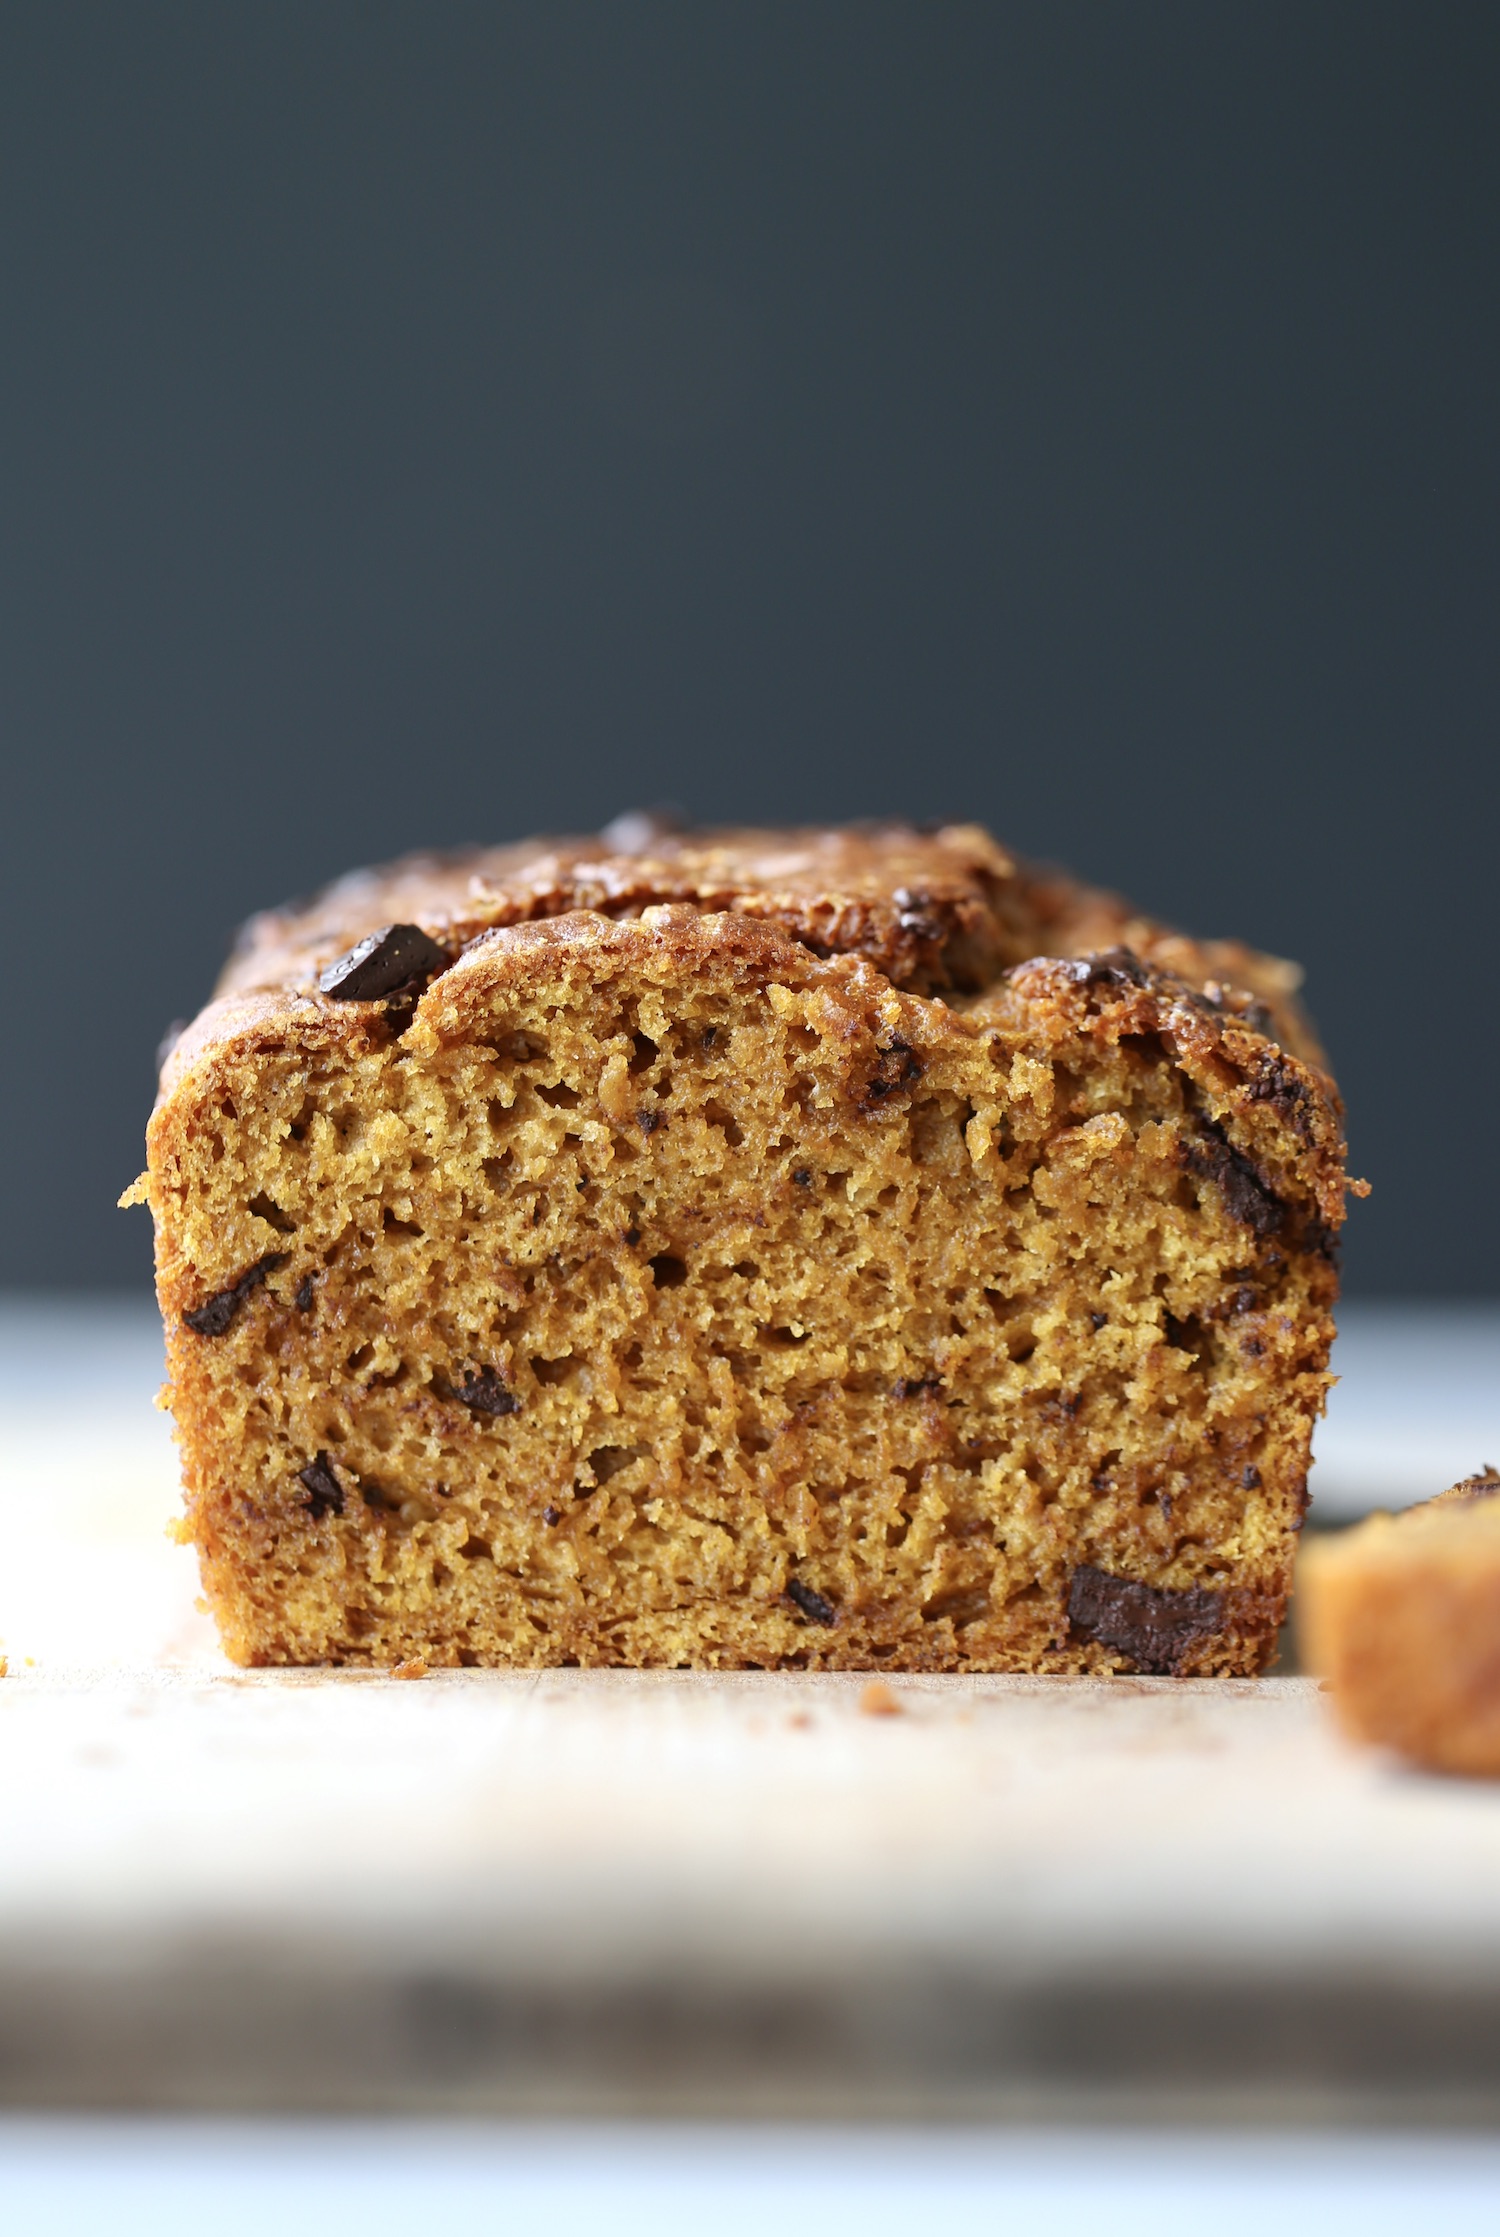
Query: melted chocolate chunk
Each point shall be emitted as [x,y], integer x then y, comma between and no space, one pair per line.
[897,1069]
[551,1516]
[384,962]
[485,1393]
[325,1494]
[1246,1196]
[813,1605]
[1116,967]
[915,913]
[302,1296]
[648,1121]
[1276,1081]
[215,1314]
[1153,1627]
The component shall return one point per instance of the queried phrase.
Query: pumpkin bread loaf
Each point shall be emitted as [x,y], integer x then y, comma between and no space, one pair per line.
[838,1249]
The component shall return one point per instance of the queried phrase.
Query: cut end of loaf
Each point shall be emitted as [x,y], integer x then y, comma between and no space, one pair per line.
[658,1293]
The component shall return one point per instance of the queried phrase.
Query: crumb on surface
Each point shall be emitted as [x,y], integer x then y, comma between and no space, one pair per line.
[415,1666]
[877,1700]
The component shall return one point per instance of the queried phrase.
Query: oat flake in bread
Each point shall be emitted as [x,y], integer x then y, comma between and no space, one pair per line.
[823,1249]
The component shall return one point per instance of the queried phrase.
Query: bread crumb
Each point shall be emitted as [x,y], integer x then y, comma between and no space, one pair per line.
[415,1666]
[800,1721]
[4,1666]
[877,1700]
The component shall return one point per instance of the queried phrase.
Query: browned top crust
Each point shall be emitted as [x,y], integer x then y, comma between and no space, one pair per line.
[938,911]
[925,906]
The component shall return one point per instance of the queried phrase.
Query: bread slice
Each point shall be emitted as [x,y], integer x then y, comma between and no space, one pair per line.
[1402,1616]
[650,1288]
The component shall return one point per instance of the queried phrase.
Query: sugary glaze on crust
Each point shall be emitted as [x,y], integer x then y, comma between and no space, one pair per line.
[659,1291]
[1402,1616]
[945,910]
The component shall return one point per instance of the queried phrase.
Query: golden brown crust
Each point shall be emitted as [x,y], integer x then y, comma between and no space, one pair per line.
[1402,1617]
[939,911]
[922,905]
[658,1291]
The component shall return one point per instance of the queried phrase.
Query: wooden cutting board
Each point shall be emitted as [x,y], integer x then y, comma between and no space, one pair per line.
[600,1893]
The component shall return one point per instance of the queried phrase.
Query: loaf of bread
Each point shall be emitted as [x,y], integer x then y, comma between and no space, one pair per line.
[841,1249]
[1401,1615]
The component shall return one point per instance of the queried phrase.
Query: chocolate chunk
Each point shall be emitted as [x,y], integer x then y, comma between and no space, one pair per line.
[1250,1478]
[1153,1627]
[1321,1241]
[1246,1196]
[551,1516]
[914,1386]
[1276,1081]
[802,1177]
[384,962]
[648,1121]
[813,1605]
[302,1296]
[1117,967]
[641,829]
[325,1494]
[215,1314]
[1098,1321]
[168,1042]
[898,1068]
[915,913]
[484,1393]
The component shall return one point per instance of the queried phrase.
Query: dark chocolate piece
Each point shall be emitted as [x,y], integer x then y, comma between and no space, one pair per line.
[813,1605]
[802,1177]
[898,1068]
[1152,1626]
[551,1515]
[384,962]
[1117,967]
[1246,1196]
[214,1315]
[1250,1478]
[648,1121]
[1276,1081]
[484,1393]
[914,913]
[302,1296]
[325,1494]
[915,1386]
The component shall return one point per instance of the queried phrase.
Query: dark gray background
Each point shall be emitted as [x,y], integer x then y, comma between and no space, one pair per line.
[430,422]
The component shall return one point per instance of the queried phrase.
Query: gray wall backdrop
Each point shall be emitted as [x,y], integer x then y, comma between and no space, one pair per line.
[435,421]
